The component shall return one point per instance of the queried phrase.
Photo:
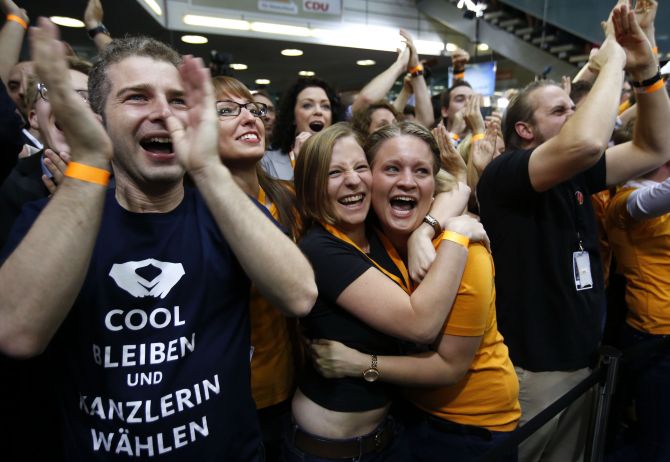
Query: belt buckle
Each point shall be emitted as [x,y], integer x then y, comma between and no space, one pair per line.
[378,440]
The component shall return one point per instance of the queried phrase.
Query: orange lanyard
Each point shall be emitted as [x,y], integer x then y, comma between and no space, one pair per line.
[404,282]
[393,254]
[272,208]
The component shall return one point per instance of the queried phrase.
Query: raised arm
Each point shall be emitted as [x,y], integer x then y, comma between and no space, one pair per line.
[576,148]
[588,72]
[378,87]
[423,106]
[29,318]
[93,19]
[650,147]
[649,202]
[406,91]
[645,12]
[262,249]
[11,36]
[382,304]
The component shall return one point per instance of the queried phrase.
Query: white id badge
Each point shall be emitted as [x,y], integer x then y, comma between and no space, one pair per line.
[581,265]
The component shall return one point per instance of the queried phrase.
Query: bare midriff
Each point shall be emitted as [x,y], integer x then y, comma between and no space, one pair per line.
[320,421]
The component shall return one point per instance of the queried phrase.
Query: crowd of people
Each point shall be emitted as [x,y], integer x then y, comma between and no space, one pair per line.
[214,276]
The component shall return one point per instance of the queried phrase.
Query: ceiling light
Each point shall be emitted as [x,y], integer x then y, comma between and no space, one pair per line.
[291,52]
[451,47]
[194,39]
[239,66]
[67,22]
[281,29]
[306,73]
[262,82]
[483,47]
[211,21]
[428,47]
[373,38]
[366,62]
[155,7]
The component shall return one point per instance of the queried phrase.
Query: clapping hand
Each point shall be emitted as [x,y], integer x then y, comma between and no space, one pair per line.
[84,133]
[196,143]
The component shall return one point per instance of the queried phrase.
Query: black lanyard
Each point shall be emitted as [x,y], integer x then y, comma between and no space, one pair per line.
[576,197]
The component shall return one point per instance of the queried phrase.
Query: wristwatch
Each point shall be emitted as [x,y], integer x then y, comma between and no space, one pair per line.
[372,374]
[100,29]
[434,223]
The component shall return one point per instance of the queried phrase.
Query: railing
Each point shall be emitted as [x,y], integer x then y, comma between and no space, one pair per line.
[605,376]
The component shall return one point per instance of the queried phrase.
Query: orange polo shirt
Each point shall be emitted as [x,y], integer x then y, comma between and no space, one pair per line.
[272,369]
[642,249]
[488,395]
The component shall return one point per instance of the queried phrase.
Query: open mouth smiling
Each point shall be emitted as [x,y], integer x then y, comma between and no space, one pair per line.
[316,126]
[403,204]
[249,137]
[352,200]
[157,144]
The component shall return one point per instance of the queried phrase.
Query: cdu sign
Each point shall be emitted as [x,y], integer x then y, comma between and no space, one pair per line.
[322,6]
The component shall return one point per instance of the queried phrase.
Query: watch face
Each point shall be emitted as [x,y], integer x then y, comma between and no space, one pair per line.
[371,375]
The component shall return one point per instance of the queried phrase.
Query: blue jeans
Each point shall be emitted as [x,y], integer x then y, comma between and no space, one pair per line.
[649,377]
[430,441]
[396,451]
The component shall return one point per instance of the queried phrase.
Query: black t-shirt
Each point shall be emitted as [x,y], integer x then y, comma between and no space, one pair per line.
[336,265]
[24,184]
[152,361]
[11,141]
[547,323]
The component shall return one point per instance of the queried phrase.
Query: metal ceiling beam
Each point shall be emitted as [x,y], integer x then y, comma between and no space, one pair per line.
[502,42]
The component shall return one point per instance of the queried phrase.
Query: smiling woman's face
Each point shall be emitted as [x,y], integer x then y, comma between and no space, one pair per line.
[403,184]
[312,110]
[349,182]
[241,137]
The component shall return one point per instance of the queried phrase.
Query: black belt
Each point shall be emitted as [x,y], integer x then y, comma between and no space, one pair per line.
[446,426]
[346,449]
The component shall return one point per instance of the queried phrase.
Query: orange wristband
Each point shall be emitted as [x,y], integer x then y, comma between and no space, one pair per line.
[477,137]
[417,68]
[455,237]
[87,173]
[660,84]
[655,50]
[18,19]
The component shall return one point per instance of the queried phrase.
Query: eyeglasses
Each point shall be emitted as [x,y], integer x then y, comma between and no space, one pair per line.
[231,108]
[44,93]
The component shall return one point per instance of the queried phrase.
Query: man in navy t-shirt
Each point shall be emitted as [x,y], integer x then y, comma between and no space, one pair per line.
[140,291]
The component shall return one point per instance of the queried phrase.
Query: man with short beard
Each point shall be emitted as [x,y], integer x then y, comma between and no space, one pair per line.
[143,296]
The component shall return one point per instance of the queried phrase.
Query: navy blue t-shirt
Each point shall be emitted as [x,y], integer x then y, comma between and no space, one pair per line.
[153,358]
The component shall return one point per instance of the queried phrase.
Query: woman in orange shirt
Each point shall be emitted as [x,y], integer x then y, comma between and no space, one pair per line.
[468,402]
[241,146]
